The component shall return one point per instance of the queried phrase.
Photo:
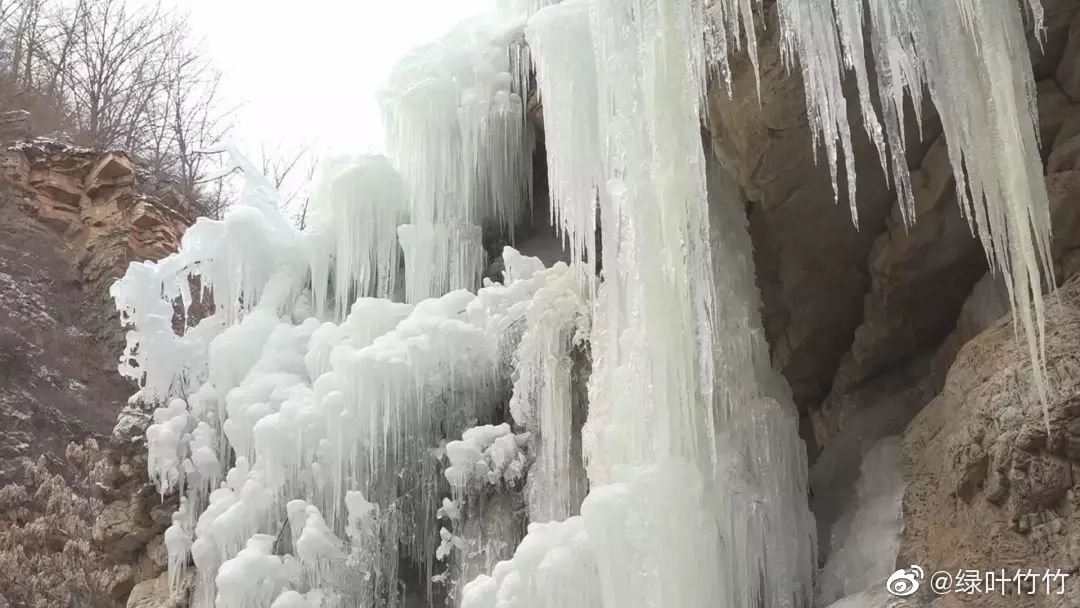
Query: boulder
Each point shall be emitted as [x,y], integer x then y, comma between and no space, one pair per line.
[155,593]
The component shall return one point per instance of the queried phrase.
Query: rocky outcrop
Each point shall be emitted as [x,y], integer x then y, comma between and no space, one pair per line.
[84,536]
[988,488]
[91,200]
[71,220]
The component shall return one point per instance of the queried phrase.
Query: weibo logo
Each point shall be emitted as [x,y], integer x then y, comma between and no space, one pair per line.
[904,582]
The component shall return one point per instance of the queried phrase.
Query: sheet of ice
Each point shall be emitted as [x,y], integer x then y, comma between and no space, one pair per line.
[866,539]
[697,475]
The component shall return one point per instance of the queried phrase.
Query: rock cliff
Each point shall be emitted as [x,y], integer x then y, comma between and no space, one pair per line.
[71,219]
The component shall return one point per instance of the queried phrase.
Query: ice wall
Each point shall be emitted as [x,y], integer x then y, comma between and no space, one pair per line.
[329,440]
[697,475]
[304,420]
[866,538]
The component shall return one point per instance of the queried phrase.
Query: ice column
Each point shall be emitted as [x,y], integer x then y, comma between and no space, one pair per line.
[697,474]
[761,468]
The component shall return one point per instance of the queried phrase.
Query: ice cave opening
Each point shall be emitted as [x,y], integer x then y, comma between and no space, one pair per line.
[365,420]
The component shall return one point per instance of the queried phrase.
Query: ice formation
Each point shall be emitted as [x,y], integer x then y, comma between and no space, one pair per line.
[355,210]
[866,539]
[561,45]
[455,121]
[542,401]
[958,50]
[333,414]
[332,441]
[697,480]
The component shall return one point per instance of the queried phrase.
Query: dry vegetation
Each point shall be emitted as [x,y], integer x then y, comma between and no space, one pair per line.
[48,558]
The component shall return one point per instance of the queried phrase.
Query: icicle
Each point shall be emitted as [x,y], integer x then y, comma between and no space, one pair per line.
[561,43]
[724,19]
[995,147]
[960,51]
[440,258]
[455,118]
[542,399]
[355,211]
[809,33]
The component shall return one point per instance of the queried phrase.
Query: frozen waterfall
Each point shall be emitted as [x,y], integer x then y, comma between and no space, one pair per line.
[357,419]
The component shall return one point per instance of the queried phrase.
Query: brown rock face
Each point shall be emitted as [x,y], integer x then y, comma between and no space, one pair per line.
[810,259]
[71,220]
[988,488]
[91,200]
[938,256]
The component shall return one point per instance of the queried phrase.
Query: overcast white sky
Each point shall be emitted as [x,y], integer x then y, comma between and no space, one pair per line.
[308,70]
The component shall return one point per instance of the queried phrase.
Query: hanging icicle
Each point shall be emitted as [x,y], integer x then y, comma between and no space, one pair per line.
[959,52]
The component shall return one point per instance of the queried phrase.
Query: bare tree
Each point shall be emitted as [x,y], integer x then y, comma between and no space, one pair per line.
[113,74]
[301,217]
[118,72]
[277,163]
[281,164]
